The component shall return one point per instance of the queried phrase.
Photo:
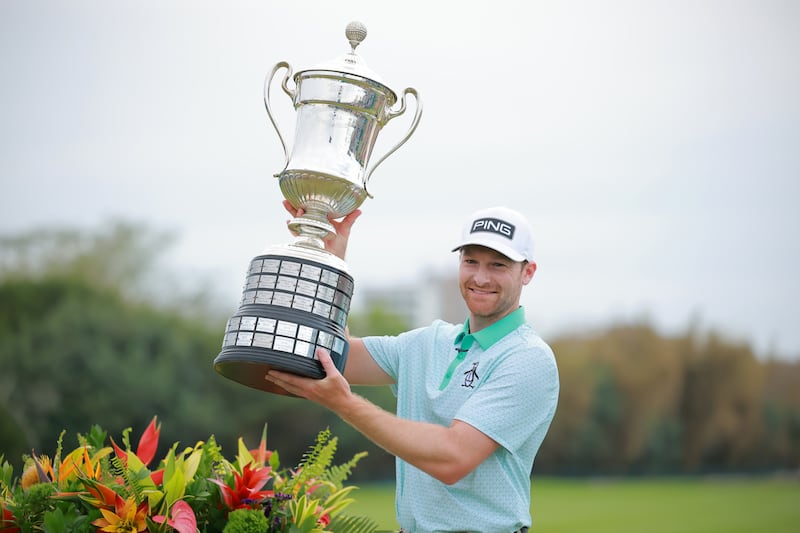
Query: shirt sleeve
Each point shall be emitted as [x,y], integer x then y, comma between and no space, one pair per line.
[384,350]
[396,355]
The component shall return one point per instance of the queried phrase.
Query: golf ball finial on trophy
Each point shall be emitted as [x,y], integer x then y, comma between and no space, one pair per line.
[297,295]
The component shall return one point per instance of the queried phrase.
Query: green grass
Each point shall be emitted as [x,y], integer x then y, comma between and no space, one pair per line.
[377,502]
[651,505]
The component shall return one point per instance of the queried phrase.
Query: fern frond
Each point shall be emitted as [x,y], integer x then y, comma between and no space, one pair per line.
[213,451]
[313,454]
[352,524]
[338,474]
[317,459]
[132,483]
[117,468]
[126,438]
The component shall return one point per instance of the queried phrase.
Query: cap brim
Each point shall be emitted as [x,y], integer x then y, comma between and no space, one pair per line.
[505,250]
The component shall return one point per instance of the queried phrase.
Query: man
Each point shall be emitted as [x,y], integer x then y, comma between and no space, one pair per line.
[474,400]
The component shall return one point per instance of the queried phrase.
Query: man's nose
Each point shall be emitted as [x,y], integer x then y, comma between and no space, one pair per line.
[481,276]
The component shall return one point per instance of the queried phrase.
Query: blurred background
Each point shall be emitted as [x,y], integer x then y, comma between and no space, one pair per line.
[653,145]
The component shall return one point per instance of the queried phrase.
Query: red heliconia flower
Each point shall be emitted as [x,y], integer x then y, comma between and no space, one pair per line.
[148,444]
[246,492]
[7,522]
[157,477]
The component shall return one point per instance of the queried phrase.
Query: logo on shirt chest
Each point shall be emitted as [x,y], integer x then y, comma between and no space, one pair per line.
[470,376]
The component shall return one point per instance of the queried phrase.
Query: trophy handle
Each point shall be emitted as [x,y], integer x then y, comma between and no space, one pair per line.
[411,129]
[284,86]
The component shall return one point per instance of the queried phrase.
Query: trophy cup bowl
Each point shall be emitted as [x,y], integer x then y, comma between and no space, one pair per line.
[296,296]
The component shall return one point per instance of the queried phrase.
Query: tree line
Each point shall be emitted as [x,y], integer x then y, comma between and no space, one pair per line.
[637,402]
[83,342]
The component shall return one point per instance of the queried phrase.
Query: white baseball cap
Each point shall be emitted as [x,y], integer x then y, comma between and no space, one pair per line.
[501,229]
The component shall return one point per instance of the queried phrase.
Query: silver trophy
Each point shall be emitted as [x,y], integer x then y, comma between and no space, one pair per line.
[297,296]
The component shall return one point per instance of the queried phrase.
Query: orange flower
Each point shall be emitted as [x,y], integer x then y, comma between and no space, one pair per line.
[99,495]
[125,518]
[78,464]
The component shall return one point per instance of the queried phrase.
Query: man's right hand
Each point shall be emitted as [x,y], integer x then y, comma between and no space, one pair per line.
[335,243]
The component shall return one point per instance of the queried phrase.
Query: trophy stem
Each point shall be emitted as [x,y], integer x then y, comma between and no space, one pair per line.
[311,228]
[309,241]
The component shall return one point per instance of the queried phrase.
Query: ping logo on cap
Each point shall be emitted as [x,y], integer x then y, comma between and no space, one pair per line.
[493,225]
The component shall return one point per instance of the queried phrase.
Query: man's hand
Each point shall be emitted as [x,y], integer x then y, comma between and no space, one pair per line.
[332,391]
[335,243]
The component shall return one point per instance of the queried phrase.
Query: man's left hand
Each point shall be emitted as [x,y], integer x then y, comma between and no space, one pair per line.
[329,391]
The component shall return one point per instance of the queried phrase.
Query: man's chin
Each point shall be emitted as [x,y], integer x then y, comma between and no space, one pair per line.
[481,308]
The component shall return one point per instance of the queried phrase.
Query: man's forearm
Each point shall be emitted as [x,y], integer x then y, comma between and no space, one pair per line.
[437,450]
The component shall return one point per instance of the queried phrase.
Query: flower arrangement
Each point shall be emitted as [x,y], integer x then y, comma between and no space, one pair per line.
[102,488]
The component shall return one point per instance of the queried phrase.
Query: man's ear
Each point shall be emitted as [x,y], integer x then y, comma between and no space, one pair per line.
[528,270]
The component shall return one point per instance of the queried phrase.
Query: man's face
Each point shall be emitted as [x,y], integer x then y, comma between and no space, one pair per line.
[491,283]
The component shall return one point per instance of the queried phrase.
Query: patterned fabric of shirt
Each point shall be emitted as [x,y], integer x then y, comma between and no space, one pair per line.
[506,385]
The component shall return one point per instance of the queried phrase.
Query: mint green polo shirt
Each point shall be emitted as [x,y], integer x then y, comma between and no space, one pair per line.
[504,382]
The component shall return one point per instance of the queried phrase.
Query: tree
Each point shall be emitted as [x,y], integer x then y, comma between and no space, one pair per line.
[84,340]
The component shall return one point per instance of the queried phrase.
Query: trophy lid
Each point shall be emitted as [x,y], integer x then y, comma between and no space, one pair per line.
[350,63]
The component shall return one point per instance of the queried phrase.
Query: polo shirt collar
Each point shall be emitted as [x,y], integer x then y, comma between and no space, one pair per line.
[493,333]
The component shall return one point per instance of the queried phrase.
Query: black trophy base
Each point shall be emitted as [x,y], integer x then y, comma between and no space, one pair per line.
[293,304]
[249,366]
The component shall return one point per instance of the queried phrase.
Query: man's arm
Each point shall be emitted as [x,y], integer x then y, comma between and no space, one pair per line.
[446,453]
[361,368]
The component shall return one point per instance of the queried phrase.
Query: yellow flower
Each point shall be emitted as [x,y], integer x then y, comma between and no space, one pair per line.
[125,518]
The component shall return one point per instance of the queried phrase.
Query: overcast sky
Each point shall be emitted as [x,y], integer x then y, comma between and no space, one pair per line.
[655,146]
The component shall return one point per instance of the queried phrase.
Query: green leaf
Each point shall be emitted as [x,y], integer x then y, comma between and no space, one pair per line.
[175,487]
[55,522]
[169,465]
[6,473]
[191,463]
[96,437]
[303,511]
[337,501]
[244,457]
